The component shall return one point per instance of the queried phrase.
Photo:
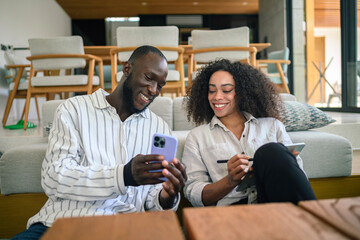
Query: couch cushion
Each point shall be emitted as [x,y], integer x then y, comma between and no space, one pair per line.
[287,97]
[181,137]
[301,116]
[325,154]
[162,106]
[48,110]
[180,116]
[20,169]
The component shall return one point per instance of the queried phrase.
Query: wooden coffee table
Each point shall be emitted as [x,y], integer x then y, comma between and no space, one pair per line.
[260,221]
[130,226]
[342,214]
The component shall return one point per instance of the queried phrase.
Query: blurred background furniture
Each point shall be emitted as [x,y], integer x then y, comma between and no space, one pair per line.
[276,65]
[53,55]
[165,38]
[209,45]
[18,83]
[322,77]
[336,88]
[104,53]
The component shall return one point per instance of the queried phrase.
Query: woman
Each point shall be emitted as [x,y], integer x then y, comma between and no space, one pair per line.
[240,108]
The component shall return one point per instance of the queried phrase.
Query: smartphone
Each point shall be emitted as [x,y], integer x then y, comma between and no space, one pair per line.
[295,147]
[165,145]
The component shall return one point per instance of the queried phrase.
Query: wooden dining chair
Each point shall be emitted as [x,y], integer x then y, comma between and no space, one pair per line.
[51,55]
[165,38]
[276,66]
[18,84]
[209,45]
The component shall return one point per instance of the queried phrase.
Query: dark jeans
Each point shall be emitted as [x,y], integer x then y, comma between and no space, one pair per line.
[35,231]
[278,177]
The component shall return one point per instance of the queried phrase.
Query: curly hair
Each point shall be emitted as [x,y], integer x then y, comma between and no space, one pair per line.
[255,93]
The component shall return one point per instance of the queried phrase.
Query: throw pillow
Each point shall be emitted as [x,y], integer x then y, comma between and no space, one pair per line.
[299,116]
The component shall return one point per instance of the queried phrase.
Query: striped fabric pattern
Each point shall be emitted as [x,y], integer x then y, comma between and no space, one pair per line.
[82,172]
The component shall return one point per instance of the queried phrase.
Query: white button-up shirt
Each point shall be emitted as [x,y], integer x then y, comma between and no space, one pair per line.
[211,142]
[82,173]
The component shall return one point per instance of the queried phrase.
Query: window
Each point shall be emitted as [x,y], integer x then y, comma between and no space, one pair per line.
[331,59]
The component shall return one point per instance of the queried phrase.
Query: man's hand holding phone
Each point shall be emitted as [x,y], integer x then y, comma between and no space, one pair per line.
[139,171]
[174,175]
[164,145]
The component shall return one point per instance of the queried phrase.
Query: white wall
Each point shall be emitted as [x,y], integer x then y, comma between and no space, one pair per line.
[24,19]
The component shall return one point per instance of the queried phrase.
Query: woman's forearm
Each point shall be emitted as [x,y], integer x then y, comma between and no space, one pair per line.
[212,193]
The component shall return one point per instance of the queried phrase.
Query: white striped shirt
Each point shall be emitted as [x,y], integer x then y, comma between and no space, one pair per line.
[82,173]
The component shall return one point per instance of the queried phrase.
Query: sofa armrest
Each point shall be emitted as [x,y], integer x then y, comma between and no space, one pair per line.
[325,154]
[20,169]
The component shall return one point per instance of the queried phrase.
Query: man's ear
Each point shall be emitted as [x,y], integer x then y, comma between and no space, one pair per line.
[127,68]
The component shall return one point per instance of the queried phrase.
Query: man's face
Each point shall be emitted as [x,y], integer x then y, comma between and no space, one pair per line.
[144,82]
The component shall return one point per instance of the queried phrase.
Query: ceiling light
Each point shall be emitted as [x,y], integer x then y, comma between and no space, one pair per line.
[133,19]
[122,19]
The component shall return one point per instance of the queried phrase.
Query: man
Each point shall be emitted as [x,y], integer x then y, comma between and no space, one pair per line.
[97,161]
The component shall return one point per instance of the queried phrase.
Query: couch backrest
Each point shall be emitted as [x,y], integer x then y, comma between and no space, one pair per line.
[287,97]
[180,116]
[48,109]
[171,110]
[163,107]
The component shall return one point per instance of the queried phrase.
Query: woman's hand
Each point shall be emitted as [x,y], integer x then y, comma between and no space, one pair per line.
[237,168]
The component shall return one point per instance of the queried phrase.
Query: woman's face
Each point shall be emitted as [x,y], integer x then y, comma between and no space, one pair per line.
[222,94]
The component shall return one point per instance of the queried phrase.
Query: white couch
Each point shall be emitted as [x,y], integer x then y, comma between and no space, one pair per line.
[325,155]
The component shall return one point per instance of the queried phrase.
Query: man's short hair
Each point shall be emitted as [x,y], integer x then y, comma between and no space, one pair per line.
[144,50]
